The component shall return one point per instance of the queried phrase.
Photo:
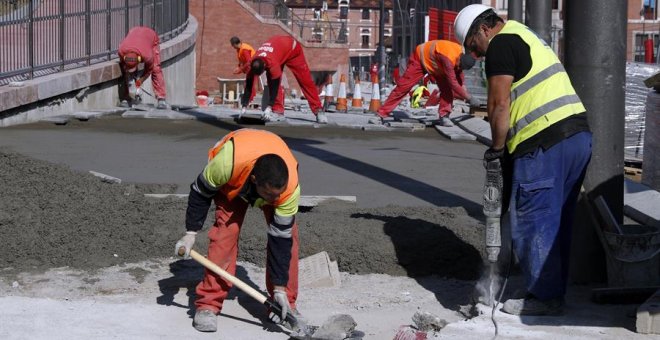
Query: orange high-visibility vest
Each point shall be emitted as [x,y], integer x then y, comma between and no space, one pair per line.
[427,51]
[250,144]
[240,50]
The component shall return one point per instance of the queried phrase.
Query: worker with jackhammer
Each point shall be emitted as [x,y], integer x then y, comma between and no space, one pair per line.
[245,168]
[139,57]
[272,56]
[539,124]
[443,60]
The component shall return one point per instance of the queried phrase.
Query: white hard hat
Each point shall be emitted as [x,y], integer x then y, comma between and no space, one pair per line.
[465,18]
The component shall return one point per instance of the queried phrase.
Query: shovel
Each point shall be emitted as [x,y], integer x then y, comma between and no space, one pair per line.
[339,326]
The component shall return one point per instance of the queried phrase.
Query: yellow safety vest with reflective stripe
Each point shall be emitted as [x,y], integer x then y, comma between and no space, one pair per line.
[544,96]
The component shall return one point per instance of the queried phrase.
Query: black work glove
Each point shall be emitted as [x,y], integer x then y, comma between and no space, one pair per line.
[493,155]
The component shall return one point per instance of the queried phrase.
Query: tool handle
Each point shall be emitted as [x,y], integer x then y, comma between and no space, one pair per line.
[225,275]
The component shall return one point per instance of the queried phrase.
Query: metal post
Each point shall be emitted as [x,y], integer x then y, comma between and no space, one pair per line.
[108,32]
[31,38]
[515,11]
[381,49]
[598,75]
[141,12]
[62,36]
[88,31]
[538,16]
[127,24]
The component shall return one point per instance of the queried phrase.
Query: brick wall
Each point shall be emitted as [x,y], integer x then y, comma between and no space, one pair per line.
[222,19]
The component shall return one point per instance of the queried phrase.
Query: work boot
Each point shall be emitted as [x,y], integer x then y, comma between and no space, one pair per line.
[205,321]
[270,116]
[445,121]
[533,306]
[124,103]
[321,118]
[162,104]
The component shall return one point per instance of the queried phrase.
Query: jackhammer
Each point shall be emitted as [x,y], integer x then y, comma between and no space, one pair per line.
[492,208]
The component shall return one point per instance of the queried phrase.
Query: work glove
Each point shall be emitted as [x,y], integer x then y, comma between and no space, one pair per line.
[138,82]
[186,242]
[238,70]
[492,155]
[279,296]
[474,102]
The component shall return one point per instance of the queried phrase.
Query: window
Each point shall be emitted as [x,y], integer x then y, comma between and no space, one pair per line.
[365,34]
[555,4]
[649,10]
[386,17]
[502,5]
[366,14]
[640,47]
[343,13]
[387,32]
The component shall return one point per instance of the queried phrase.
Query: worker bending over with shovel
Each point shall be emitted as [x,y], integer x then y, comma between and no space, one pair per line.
[246,168]
[139,57]
[538,123]
[272,56]
[444,61]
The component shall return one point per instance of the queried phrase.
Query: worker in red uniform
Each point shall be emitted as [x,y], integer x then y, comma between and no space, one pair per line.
[244,53]
[139,56]
[444,61]
[272,56]
[247,167]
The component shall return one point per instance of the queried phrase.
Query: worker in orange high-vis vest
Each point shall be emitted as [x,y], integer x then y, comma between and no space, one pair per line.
[246,168]
[443,60]
[244,53]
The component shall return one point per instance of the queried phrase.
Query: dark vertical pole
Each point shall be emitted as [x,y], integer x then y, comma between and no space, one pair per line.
[108,32]
[31,38]
[127,26]
[515,11]
[141,12]
[538,16]
[88,31]
[598,75]
[381,48]
[62,35]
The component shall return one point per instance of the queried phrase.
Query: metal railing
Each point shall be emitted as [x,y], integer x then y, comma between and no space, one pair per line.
[41,37]
[310,30]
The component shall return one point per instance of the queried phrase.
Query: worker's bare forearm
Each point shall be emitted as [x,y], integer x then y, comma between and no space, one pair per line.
[499,125]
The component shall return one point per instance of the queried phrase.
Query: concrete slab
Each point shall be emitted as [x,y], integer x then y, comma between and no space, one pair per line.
[106,178]
[58,120]
[641,203]
[648,315]
[318,271]
[455,133]
[476,126]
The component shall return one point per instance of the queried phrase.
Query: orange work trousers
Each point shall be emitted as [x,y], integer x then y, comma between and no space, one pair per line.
[223,251]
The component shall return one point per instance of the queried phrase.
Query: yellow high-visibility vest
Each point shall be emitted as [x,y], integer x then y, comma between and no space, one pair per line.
[544,96]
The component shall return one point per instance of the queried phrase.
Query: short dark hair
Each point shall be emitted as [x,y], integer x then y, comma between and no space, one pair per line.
[270,169]
[235,40]
[488,18]
[257,66]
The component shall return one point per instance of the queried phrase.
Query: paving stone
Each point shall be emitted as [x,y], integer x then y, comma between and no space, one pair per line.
[454,133]
[648,315]
[641,203]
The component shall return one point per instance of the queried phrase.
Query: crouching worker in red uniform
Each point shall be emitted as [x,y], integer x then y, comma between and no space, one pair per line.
[139,56]
[246,168]
[272,56]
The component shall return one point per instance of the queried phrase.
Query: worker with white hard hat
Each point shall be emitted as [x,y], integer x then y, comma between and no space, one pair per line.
[541,135]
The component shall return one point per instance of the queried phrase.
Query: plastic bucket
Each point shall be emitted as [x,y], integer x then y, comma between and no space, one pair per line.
[633,259]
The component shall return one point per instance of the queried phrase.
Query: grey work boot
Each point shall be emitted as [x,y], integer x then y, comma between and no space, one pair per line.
[269,116]
[321,118]
[533,306]
[205,321]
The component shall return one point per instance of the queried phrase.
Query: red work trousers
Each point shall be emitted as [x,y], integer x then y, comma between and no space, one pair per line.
[415,72]
[298,65]
[278,106]
[223,251]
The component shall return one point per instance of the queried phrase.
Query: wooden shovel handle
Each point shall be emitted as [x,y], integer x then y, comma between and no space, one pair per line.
[225,275]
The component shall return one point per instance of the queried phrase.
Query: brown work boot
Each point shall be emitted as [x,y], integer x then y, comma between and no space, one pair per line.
[205,321]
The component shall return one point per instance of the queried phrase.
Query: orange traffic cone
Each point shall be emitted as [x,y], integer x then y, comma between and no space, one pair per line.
[329,91]
[342,102]
[374,105]
[357,95]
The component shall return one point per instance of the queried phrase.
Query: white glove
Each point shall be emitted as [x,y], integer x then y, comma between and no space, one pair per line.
[279,296]
[186,242]
[474,102]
